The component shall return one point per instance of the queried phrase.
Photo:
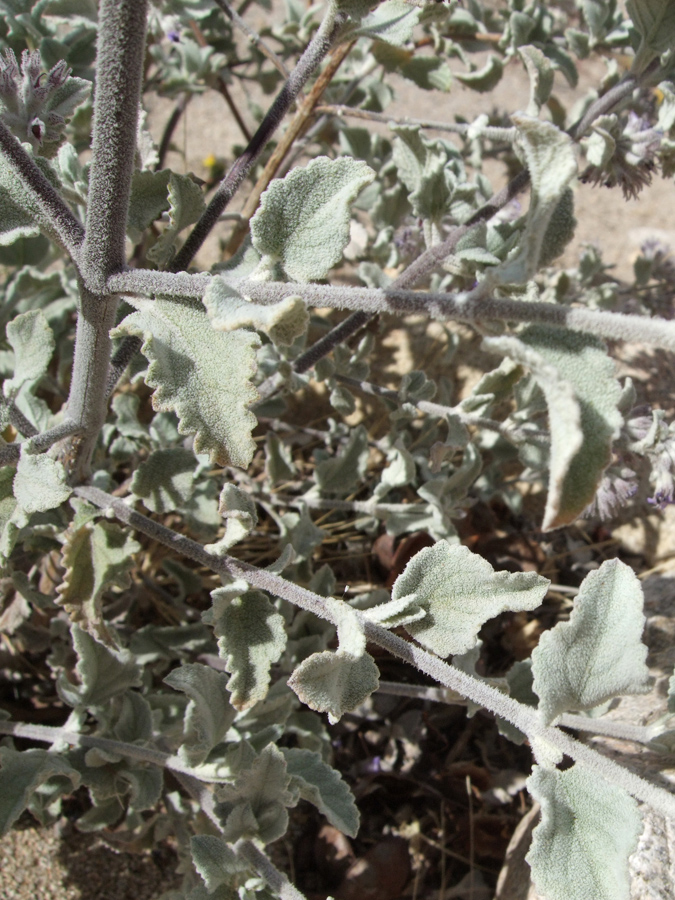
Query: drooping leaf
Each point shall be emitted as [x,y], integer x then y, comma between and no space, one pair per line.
[430,73]
[238,510]
[185,204]
[588,829]
[582,395]
[96,557]
[200,374]
[165,480]
[298,532]
[485,79]
[303,220]
[343,472]
[15,222]
[209,714]
[21,774]
[560,229]
[396,613]
[598,654]
[251,636]
[540,72]
[551,161]
[134,718]
[279,464]
[228,310]
[32,340]
[335,682]
[460,591]
[148,200]
[255,805]
[392,21]
[322,785]
[12,516]
[338,682]
[102,672]
[25,217]
[40,483]
[145,785]
[421,166]
[215,860]
[655,23]
[400,470]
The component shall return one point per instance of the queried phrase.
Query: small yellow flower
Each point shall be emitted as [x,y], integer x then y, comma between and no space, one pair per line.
[210,161]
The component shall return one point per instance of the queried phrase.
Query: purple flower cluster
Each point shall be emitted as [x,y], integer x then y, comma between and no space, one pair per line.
[632,163]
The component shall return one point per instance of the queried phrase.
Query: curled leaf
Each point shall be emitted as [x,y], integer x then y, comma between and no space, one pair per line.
[460,591]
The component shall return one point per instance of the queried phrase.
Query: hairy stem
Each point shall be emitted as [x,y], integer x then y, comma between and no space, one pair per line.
[139,754]
[421,268]
[425,264]
[612,99]
[87,402]
[458,307]
[609,728]
[308,63]
[128,349]
[50,209]
[523,717]
[276,880]
[18,421]
[490,133]
[247,850]
[119,70]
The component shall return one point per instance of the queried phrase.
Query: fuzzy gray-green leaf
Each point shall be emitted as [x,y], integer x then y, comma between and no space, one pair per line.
[255,806]
[200,374]
[303,220]
[598,654]
[485,79]
[343,472]
[185,205]
[32,340]
[582,395]
[335,683]
[655,23]
[164,482]
[321,785]
[208,715]
[96,556]
[21,774]
[251,636]
[238,510]
[460,591]
[540,72]
[215,860]
[148,200]
[102,672]
[392,21]
[551,161]
[228,310]
[588,829]
[40,483]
